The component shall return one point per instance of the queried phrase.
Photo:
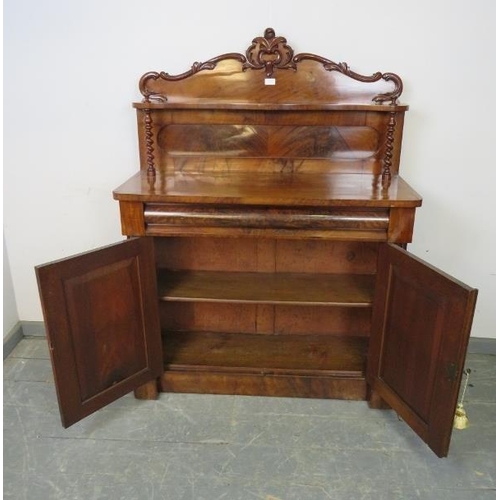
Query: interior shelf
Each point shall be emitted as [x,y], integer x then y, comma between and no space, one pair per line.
[267,288]
[315,355]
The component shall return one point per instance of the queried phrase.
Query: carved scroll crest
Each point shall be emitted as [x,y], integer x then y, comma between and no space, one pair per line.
[343,68]
[272,53]
[196,67]
[269,52]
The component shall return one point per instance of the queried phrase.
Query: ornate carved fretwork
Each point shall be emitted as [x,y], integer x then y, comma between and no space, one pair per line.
[271,53]
[343,68]
[196,67]
[389,146]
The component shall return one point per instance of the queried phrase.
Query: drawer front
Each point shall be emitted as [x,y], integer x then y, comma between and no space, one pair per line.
[159,216]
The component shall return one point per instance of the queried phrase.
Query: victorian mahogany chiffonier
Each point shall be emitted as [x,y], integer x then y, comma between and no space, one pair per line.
[265,252]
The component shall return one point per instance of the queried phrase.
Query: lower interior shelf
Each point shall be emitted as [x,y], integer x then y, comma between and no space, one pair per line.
[294,355]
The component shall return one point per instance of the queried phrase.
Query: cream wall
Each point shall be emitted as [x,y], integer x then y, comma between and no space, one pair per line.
[10,316]
[71,72]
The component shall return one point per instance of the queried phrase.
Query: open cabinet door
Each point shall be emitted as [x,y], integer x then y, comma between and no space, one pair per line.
[102,321]
[421,325]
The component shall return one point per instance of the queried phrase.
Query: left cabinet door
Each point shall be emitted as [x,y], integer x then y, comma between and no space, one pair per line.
[102,321]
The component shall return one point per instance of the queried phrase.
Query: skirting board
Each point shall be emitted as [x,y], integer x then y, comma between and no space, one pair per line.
[20,330]
[480,345]
[477,345]
[12,339]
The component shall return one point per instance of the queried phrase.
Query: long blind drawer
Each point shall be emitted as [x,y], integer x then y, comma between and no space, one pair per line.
[264,217]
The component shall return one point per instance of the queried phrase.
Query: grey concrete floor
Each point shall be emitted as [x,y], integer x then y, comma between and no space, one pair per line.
[203,447]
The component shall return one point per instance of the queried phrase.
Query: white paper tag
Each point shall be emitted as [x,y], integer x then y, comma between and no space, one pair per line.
[269,81]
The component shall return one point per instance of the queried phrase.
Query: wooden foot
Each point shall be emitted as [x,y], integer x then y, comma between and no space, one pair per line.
[375,401]
[147,391]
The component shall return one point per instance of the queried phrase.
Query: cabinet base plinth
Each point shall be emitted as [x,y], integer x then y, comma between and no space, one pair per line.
[264,385]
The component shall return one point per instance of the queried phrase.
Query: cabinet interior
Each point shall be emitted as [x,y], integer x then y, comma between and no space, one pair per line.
[265,307]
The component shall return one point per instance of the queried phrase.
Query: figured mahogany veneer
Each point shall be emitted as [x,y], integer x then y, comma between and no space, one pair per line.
[100,307]
[271,189]
[261,256]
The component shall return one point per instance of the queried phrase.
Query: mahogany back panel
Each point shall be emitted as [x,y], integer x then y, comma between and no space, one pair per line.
[265,319]
[269,255]
[199,142]
[309,82]
[288,141]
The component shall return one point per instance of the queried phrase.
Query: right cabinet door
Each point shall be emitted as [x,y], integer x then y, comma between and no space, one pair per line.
[420,331]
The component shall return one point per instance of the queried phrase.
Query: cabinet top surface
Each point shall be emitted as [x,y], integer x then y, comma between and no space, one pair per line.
[328,189]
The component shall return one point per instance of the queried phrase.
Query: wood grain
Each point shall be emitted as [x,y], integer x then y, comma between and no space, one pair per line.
[271,57]
[265,319]
[246,188]
[254,384]
[271,354]
[267,288]
[266,255]
[102,325]
[421,324]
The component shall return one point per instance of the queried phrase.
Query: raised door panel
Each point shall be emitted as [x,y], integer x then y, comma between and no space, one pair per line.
[102,320]
[420,331]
